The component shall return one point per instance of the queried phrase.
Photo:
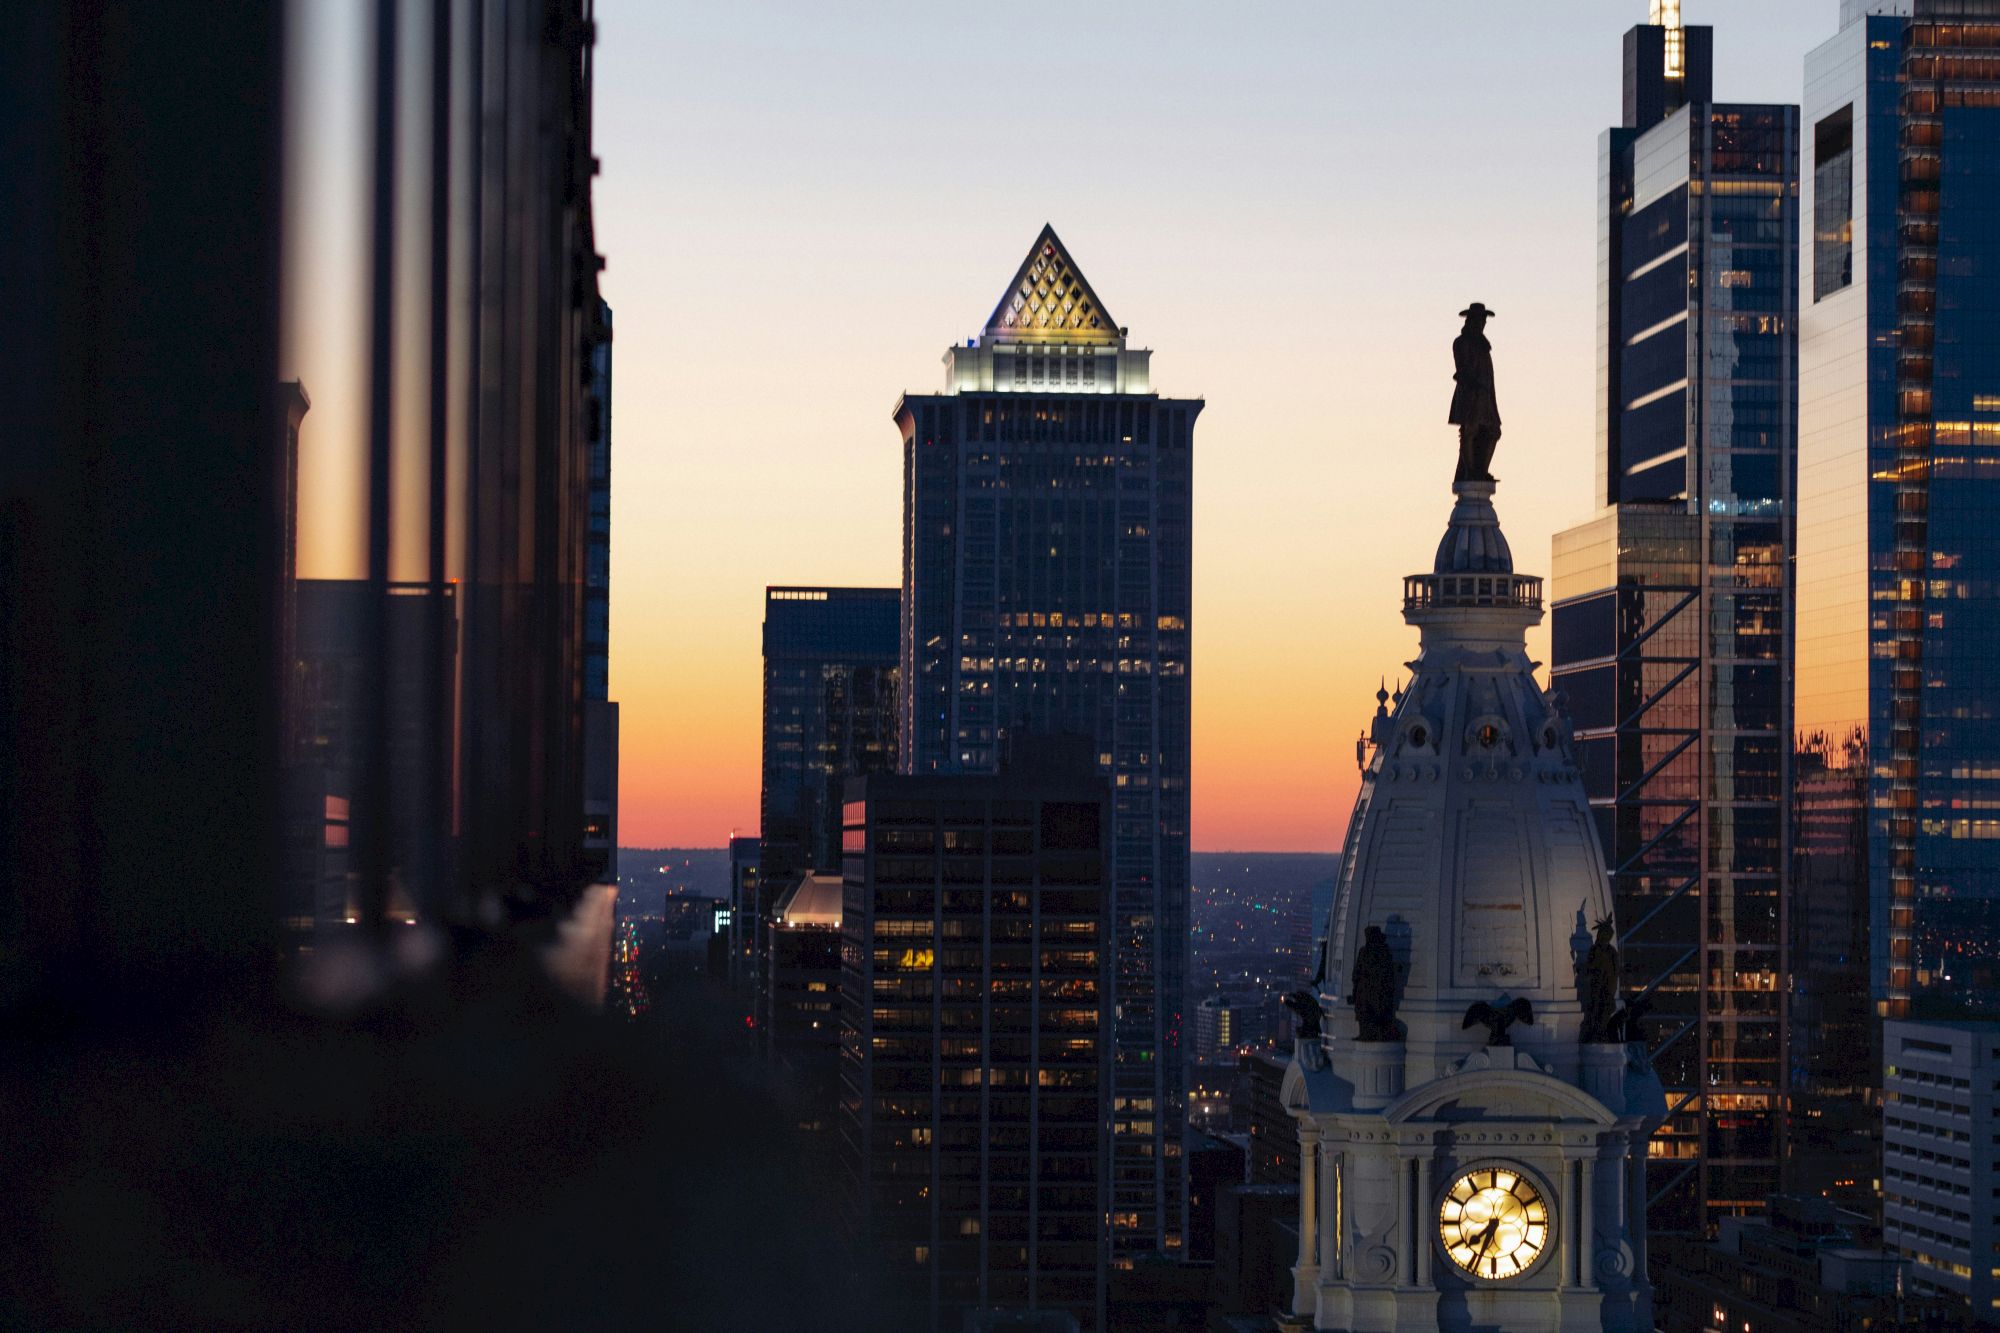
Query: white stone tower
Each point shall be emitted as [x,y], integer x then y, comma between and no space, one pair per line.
[1446,1182]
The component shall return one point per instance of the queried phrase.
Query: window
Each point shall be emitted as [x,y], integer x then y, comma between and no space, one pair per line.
[1833,203]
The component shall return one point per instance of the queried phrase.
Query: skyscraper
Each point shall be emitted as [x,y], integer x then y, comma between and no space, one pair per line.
[1898,553]
[829,715]
[1670,630]
[1046,570]
[973,1055]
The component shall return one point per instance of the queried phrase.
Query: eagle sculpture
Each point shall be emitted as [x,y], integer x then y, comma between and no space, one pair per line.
[1305,1005]
[1626,1023]
[1497,1018]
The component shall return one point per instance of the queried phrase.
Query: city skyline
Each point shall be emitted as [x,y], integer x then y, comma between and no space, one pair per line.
[1342,305]
[773,379]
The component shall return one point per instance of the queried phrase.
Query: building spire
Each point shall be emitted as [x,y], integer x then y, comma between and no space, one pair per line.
[1050,300]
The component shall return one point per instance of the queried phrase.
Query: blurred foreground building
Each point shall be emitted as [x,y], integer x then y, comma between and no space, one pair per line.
[600,715]
[437,1096]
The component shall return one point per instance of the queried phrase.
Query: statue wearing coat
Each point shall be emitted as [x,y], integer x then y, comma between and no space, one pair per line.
[1474,409]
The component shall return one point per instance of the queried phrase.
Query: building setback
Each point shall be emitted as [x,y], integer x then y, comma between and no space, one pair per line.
[1670,633]
[1898,551]
[975,971]
[1046,589]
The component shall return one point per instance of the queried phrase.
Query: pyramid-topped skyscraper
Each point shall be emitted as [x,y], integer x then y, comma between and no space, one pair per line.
[1046,591]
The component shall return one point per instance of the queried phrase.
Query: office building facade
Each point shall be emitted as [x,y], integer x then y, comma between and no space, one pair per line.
[742,908]
[1670,629]
[1046,590]
[829,715]
[1940,1212]
[1899,479]
[974,1060]
[802,1004]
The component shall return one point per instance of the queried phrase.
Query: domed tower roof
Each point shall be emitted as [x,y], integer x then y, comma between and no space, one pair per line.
[1472,844]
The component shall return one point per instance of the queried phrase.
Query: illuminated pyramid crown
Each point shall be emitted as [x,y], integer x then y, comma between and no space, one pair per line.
[1050,299]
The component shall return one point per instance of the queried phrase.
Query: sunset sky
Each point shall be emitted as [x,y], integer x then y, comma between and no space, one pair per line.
[803,205]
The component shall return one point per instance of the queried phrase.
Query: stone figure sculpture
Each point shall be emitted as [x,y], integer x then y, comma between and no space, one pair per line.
[1627,1025]
[1374,995]
[1474,409]
[1305,1005]
[1599,986]
[1497,1018]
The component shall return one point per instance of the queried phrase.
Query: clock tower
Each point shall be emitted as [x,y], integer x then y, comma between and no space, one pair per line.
[1472,1120]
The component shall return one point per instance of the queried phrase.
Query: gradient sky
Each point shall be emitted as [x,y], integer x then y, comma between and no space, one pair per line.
[803,205]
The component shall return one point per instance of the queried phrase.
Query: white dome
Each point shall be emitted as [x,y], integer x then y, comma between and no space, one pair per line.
[1472,843]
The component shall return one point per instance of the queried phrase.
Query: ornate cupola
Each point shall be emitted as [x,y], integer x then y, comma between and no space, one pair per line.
[1472,1119]
[1471,845]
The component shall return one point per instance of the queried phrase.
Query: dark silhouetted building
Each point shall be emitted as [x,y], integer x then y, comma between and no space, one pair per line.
[1047,556]
[600,715]
[1213,1166]
[1274,1135]
[743,899]
[802,1006]
[973,1061]
[829,715]
[1670,630]
[1803,1268]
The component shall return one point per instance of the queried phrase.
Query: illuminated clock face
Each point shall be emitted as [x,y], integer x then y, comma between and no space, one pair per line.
[1494,1223]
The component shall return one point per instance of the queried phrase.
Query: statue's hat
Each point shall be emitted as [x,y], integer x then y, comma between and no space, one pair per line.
[1478,308]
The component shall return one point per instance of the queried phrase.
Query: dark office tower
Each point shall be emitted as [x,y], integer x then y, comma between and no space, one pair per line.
[600,715]
[1898,549]
[802,1032]
[829,715]
[743,899]
[1046,558]
[1670,627]
[973,1053]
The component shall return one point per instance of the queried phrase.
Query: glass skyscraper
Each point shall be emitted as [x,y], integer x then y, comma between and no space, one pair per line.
[1898,742]
[1669,633]
[1046,571]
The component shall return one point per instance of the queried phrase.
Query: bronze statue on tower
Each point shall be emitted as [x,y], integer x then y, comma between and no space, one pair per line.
[1474,409]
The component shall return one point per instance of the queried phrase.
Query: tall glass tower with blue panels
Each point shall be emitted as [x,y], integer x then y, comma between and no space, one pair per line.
[1898,729]
[1047,557]
[1671,626]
